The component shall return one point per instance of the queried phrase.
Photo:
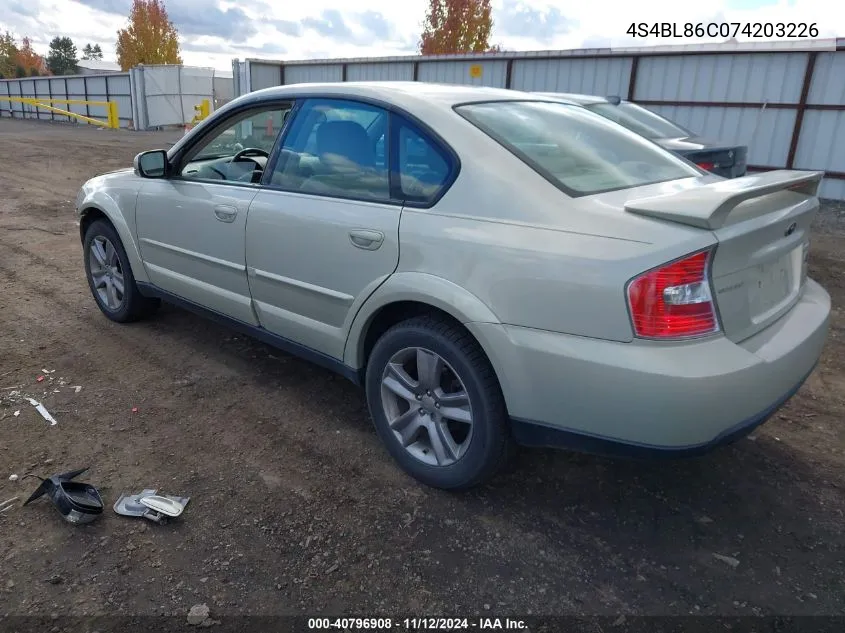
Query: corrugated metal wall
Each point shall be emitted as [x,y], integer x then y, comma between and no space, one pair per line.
[399,71]
[489,73]
[765,131]
[756,95]
[822,141]
[603,76]
[312,74]
[728,78]
[265,75]
[111,87]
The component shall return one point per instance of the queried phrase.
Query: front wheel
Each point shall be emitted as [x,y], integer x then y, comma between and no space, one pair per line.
[110,276]
[436,403]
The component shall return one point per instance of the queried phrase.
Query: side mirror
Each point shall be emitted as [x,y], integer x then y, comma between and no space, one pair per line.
[151,164]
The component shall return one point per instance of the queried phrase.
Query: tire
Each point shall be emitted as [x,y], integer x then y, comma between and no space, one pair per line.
[485,447]
[130,305]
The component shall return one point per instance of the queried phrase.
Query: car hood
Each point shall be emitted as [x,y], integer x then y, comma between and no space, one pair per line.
[692,143]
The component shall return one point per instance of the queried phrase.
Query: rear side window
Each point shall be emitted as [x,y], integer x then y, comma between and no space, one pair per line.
[581,152]
[424,167]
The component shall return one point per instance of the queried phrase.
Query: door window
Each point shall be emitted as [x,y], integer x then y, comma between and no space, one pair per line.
[335,148]
[237,151]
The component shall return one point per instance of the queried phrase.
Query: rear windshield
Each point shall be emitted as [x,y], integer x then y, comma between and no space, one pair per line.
[639,120]
[579,151]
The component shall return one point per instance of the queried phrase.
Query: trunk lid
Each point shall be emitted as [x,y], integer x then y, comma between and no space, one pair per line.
[762,224]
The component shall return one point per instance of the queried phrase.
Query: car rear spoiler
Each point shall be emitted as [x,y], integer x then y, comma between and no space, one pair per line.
[708,206]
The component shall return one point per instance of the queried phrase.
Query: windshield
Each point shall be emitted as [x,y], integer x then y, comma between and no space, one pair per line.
[580,152]
[639,120]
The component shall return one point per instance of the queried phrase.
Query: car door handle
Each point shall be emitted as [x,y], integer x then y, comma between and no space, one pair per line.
[225,213]
[368,240]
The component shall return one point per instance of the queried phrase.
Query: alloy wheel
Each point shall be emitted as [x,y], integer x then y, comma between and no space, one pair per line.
[106,272]
[427,406]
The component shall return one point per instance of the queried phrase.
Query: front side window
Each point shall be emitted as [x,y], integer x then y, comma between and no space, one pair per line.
[335,147]
[581,152]
[238,150]
[639,120]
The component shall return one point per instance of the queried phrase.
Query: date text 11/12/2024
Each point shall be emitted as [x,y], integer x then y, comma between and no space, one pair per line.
[416,624]
[767,30]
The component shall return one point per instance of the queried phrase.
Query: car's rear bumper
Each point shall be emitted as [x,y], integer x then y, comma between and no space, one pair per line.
[529,433]
[647,398]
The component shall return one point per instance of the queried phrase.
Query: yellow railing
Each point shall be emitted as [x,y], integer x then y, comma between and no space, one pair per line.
[111,121]
[201,111]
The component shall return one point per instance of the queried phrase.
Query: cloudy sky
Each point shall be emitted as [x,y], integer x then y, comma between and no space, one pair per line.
[215,31]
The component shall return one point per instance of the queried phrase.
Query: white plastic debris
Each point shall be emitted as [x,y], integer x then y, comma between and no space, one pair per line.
[44,413]
[728,560]
[17,413]
[13,477]
[77,388]
[5,505]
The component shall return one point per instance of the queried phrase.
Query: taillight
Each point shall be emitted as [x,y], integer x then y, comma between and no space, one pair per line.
[707,166]
[674,301]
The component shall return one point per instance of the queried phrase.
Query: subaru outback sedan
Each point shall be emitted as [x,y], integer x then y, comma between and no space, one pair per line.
[493,267]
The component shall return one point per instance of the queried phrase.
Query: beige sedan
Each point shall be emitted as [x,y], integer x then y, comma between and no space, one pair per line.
[491,266]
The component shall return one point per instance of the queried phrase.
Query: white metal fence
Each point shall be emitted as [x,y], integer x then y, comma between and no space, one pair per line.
[113,87]
[786,101]
[147,96]
[166,95]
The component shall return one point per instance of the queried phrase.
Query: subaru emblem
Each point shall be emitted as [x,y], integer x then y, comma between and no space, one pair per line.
[791,229]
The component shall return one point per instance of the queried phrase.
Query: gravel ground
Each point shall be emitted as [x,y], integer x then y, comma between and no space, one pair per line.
[297,509]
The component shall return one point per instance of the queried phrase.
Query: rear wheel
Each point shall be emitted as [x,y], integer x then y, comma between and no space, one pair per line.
[110,276]
[436,403]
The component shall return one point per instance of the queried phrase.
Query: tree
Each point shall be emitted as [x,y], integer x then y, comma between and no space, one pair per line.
[457,26]
[8,55]
[61,60]
[149,38]
[92,52]
[29,60]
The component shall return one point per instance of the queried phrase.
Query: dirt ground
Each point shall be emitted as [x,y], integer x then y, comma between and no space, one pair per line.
[296,508]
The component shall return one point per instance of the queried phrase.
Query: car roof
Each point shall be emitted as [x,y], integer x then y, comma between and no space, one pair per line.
[405,94]
[575,98]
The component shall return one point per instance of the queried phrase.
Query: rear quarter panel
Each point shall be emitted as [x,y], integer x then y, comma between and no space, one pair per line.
[534,256]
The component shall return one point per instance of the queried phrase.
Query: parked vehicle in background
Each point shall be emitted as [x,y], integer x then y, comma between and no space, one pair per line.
[491,266]
[724,159]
